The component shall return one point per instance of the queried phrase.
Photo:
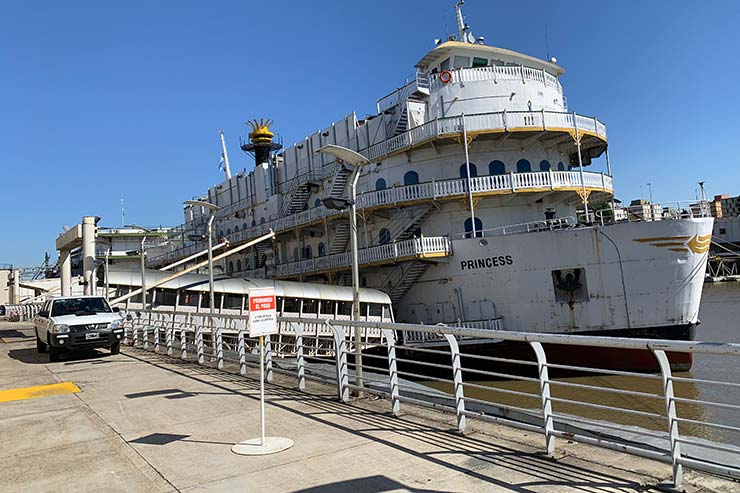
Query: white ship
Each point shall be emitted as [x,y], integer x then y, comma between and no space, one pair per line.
[476,208]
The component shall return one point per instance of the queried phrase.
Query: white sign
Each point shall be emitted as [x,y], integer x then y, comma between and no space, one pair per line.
[262,319]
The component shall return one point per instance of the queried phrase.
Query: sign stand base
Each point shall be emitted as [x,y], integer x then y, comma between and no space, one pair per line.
[271,445]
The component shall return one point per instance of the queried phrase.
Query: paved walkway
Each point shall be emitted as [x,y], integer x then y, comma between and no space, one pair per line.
[143,422]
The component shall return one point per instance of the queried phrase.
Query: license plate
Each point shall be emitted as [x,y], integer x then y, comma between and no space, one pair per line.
[92,335]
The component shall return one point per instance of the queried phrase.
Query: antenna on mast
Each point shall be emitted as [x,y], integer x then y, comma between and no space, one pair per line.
[123,214]
[225,155]
[463,28]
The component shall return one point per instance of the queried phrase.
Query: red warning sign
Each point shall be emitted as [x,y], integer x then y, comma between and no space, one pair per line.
[262,314]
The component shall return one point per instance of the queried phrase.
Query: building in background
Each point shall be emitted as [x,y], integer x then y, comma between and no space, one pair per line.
[716,205]
[730,206]
[644,210]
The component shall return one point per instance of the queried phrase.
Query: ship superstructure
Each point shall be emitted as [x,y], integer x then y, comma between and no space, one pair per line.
[476,207]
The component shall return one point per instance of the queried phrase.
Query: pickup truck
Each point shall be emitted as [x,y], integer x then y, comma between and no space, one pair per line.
[77,322]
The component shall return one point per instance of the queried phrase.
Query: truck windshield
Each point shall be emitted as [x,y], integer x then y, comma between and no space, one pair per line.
[79,306]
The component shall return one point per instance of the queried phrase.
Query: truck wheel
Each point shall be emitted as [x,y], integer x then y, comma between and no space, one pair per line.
[115,348]
[40,345]
[53,354]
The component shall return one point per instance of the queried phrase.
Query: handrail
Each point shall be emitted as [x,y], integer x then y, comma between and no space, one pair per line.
[497,73]
[503,121]
[434,190]
[541,409]
[415,247]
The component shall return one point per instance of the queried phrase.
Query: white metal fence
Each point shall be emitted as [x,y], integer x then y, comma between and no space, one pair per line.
[20,312]
[391,365]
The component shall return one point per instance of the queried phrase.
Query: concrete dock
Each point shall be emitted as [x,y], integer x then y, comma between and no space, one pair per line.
[144,422]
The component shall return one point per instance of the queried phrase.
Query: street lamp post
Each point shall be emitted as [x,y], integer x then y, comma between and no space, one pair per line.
[357,161]
[212,208]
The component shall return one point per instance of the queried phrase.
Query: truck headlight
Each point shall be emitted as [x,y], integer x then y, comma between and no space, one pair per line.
[116,324]
[60,329]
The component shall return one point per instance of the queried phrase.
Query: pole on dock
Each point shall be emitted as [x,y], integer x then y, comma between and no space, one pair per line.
[262,321]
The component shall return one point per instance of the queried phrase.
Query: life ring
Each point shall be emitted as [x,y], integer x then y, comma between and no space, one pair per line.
[445,77]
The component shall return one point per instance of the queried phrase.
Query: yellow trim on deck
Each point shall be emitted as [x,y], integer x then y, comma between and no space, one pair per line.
[38,391]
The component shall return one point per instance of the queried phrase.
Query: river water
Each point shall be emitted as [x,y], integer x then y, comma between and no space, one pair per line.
[720,316]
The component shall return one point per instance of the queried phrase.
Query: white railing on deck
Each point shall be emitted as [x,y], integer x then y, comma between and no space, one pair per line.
[413,248]
[434,190]
[498,73]
[495,121]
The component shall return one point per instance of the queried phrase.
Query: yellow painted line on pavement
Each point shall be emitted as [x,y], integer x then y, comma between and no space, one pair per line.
[38,391]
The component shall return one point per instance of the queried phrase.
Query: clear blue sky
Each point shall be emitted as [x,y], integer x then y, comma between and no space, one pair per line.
[104,100]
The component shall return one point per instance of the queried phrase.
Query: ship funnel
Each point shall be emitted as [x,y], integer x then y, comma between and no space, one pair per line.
[260,141]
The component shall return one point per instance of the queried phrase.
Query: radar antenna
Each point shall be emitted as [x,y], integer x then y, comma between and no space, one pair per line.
[463,29]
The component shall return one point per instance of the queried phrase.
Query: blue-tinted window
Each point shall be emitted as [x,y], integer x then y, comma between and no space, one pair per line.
[317,202]
[228,231]
[561,166]
[523,166]
[380,184]
[244,226]
[464,170]
[236,228]
[544,165]
[411,178]
[469,227]
[322,249]
[384,236]
[308,251]
[496,168]
[262,220]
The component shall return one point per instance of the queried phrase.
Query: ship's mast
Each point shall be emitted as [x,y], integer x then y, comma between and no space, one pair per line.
[225,155]
[463,29]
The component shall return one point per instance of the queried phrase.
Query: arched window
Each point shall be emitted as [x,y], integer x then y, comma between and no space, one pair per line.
[231,267]
[244,226]
[239,265]
[236,228]
[317,202]
[411,178]
[228,231]
[464,170]
[262,220]
[544,165]
[561,166]
[254,223]
[384,236]
[469,228]
[309,253]
[523,166]
[380,184]
[496,168]
[322,249]
[220,234]
[296,256]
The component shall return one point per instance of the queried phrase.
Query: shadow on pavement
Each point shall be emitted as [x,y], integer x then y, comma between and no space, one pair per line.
[370,484]
[31,356]
[530,471]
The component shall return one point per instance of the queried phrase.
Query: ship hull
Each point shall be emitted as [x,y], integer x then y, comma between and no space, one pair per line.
[636,280]
[599,358]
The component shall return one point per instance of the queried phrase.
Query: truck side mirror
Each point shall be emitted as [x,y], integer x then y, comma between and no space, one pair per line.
[116,309]
[43,314]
